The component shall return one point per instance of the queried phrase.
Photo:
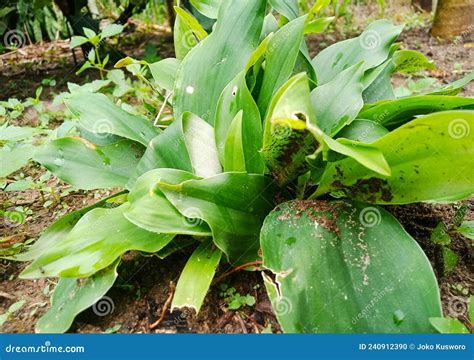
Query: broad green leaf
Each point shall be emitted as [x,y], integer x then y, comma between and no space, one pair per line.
[372,47]
[183,38]
[196,278]
[338,102]
[191,23]
[164,72]
[410,61]
[98,114]
[232,204]
[58,230]
[73,295]
[448,325]
[209,67]
[18,133]
[237,97]
[286,141]
[402,110]
[234,158]
[281,55]
[150,210]
[201,146]
[187,144]
[111,30]
[208,8]
[430,159]
[361,130]
[466,229]
[77,41]
[455,87]
[14,157]
[87,166]
[367,155]
[332,259]
[378,83]
[317,26]
[287,8]
[95,242]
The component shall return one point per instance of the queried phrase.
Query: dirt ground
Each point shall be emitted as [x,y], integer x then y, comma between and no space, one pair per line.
[144,282]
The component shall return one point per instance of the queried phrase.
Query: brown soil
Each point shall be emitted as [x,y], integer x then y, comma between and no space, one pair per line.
[144,282]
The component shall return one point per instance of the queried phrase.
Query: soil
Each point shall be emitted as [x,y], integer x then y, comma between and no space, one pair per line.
[144,282]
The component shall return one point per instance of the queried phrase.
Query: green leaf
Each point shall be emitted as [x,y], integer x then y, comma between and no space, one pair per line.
[77,41]
[187,144]
[89,33]
[111,30]
[95,242]
[13,158]
[196,278]
[410,61]
[234,158]
[87,166]
[72,296]
[338,102]
[11,310]
[450,259]
[232,204]
[191,23]
[281,55]
[183,38]
[372,47]
[98,114]
[376,276]
[455,87]
[467,229]
[208,8]
[448,325]
[361,130]
[440,236]
[287,8]
[318,25]
[150,210]
[209,67]
[237,97]
[164,72]
[286,142]
[430,159]
[59,230]
[18,133]
[396,112]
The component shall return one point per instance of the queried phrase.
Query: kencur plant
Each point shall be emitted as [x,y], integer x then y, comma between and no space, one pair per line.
[273,159]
